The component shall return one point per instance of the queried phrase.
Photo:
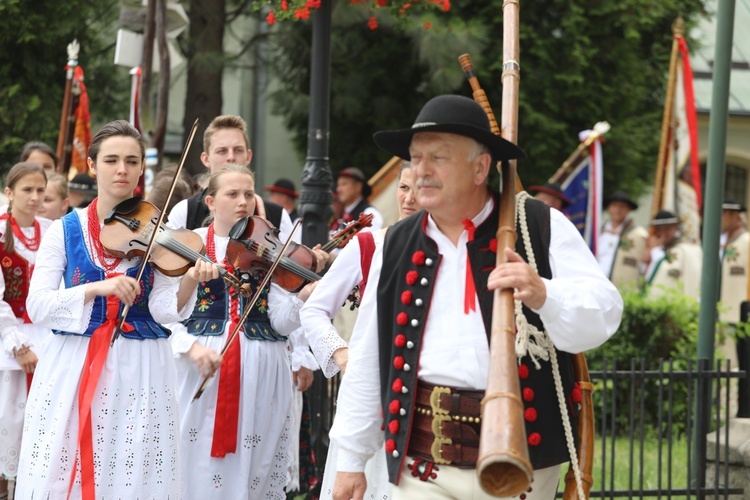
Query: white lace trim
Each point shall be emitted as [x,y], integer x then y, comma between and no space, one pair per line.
[323,351]
[537,345]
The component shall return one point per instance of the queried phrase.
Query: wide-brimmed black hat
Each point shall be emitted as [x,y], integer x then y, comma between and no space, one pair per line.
[623,197]
[664,218]
[283,186]
[453,114]
[357,175]
[83,183]
[730,204]
[552,189]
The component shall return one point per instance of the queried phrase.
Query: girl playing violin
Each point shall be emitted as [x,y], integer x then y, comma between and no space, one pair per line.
[101,420]
[235,437]
[20,234]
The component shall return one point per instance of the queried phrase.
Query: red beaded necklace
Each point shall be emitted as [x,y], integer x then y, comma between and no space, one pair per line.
[106,260]
[30,243]
[210,243]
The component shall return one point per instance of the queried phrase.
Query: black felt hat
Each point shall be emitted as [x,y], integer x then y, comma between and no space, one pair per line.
[730,204]
[83,183]
[357,175]
[552,189]
[621,196]
[453,114]
[283,186]
[664,218]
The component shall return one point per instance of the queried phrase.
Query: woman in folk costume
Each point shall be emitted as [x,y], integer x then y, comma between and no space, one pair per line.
[20,234]
[235,438]
[349,270]
[101,417]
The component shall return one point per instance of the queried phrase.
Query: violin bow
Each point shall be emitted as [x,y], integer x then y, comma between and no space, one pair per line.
[249,307]
[159,222]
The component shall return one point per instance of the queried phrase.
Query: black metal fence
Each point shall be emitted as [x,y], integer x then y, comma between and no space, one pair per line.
[647,422]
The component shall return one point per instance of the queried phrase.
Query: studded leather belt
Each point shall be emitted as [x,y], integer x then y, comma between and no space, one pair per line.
[445,429]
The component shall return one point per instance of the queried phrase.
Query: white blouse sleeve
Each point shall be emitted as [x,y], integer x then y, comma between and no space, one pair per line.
[325,301]
[180,340]
[583,308]
[356,428]
[283,310]
[48,304]
[162,301]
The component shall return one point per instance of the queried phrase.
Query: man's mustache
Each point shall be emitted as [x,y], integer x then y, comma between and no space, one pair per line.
[428,183]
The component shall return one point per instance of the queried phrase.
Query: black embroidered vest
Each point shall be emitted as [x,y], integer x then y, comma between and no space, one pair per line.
[410,265]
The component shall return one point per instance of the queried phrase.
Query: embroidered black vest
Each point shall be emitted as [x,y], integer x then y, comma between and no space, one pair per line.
[410,265]
[197,211]
[212,312]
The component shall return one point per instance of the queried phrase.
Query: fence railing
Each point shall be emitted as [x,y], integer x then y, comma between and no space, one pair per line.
[646,428]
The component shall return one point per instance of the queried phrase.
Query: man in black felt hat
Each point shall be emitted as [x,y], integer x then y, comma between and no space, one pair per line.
[734,253]
[621,243]
[353,190]
[670,261]
[551,194]
[285,194]
[81,190]
[421,338]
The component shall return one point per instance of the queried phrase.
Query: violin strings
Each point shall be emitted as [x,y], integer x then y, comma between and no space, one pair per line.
[286,263]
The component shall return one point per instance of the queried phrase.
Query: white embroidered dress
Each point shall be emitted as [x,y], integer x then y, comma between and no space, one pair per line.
[134,409]
[259,467]
[14,334]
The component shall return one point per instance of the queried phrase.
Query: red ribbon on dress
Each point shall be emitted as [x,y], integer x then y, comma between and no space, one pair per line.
[96,355]
[226,421]
[470,290]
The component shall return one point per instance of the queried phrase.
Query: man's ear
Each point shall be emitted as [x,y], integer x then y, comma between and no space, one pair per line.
[249,156]
[204,160]
[482,165]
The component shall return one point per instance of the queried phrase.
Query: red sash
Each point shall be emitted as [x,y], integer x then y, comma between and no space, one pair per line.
[96,355]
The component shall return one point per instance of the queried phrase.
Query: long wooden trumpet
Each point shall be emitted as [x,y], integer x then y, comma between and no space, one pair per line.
[503,465]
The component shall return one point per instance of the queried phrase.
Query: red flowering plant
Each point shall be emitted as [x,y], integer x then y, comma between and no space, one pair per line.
[402,10]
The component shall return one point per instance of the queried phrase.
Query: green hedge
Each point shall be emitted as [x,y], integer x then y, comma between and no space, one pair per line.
[654,331]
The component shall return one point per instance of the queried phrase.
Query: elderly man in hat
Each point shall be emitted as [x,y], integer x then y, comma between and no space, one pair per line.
[551,194]
[420,347]
[621,243]
[735,253]
[353,190]
[671,263]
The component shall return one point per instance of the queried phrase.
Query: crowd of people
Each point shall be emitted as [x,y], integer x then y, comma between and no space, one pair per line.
[122,378]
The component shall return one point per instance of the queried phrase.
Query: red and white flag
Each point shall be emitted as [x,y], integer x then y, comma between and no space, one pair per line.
[682,179]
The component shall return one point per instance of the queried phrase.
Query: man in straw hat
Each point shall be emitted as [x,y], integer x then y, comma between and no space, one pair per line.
[671,263]
[735,253]
[621,243]
[421,339]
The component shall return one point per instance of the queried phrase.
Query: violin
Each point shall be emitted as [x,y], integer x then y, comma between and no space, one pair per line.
[254,245]
[340,239]
[127,231]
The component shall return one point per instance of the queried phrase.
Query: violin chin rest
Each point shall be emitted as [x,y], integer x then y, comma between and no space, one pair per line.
[124,207]
[238,229]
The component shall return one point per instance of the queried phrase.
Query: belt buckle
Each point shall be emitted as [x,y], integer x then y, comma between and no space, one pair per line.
[439,415]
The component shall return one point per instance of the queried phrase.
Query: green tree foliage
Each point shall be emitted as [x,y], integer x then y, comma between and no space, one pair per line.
[33,40]
[581,62]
